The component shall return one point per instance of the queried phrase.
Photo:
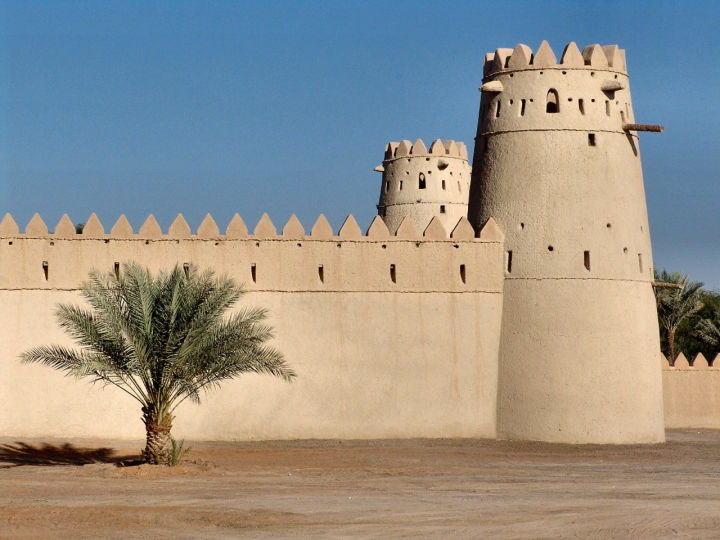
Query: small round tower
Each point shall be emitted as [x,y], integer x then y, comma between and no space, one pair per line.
[557,165]
[423,183]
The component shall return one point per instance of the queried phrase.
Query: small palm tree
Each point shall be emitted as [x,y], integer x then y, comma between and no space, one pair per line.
[161,340]
[676,304]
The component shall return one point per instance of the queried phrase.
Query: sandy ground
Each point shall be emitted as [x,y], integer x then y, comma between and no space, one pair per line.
[375,489]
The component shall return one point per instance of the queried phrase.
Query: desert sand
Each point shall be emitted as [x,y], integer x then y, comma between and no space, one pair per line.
[363,489]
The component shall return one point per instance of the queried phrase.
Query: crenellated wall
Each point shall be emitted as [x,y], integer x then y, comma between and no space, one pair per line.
[391,336]
[691,392]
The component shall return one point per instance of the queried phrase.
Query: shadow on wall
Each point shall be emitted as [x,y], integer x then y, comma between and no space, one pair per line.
[19,454]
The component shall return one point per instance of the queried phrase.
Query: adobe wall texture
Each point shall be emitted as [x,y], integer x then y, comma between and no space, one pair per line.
[691,393]
[579,344]
[375,358]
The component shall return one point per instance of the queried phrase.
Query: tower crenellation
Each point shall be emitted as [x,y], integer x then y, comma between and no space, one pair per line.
[422,182]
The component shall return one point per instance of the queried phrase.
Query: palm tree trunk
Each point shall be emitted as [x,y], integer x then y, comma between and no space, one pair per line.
[158,442]
[671,346]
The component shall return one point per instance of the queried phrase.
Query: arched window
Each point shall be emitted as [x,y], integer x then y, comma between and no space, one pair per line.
[422,181]
[553,102]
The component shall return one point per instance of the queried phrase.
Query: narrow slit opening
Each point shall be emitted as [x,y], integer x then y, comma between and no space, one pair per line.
[421,181]
[321,273]
[622,116]
[462,272]
[509,261]
[443,184]
[253,272]
[586,260]
[393,276]
[522,107]
[400,185]
[607,107]
[640,262]
[497,110]
[581,106]
[46,268]
[116,268]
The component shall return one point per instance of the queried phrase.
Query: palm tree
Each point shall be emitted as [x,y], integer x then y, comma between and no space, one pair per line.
[708,331]
[675,304]
[161,340]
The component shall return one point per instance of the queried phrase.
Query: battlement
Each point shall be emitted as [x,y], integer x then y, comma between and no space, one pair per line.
[430,260]
[592,57]
[406,149]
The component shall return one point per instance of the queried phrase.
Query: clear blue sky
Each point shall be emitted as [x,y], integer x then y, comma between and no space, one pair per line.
[285,107]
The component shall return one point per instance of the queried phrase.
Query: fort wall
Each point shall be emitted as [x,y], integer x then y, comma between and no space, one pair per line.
[691,392]
[391,336]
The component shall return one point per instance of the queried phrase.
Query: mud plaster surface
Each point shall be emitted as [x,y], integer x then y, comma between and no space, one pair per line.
[378,489]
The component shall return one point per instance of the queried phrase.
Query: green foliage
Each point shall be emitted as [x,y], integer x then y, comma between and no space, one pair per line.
[178,451]
[161,339]
[697,332]
[675,306]
[694,335]
[79,227]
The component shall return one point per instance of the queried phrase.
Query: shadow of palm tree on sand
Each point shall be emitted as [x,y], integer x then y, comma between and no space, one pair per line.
[18,454]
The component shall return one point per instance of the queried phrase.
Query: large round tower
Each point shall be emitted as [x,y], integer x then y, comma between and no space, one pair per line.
[557,165]
[423,183]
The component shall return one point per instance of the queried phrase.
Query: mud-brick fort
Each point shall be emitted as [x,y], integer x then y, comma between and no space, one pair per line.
[512,298]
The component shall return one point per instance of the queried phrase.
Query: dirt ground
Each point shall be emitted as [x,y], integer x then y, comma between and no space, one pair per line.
[367,489]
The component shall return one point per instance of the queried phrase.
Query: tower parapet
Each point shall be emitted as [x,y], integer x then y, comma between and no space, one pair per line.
[558,167]
[422,183]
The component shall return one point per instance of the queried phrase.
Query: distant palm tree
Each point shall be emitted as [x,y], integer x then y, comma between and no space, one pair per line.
[708,330]
[674,305]
[161,340]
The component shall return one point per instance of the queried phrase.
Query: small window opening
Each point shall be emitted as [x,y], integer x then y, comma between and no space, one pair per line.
[622,116]
[497,110]
[550,248]
[522,107]
[46,268]
[462,272]
[607,107]
[591,139]
[117,269]
[522,226]
[421,181]
[321,273]
[586,260]
[393,277]
[186,269]
[253,272]
[443,184]
[400,185]
[581,106]
[553,102]
[640,262]
[508,260]
[442,208]
[459,187]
